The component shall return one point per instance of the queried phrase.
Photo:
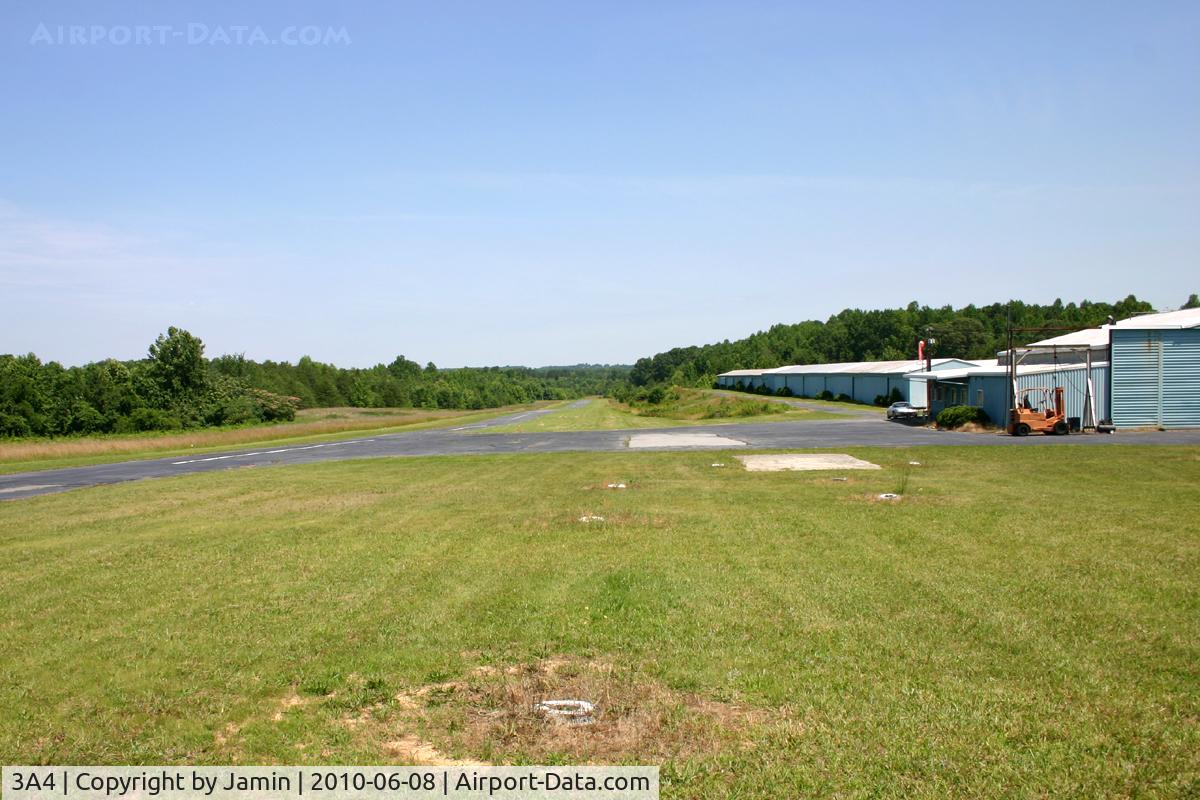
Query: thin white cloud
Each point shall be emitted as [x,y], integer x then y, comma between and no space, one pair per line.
[87,261]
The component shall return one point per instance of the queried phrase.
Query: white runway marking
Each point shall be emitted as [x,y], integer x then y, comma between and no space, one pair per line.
[268,452]
[30,487]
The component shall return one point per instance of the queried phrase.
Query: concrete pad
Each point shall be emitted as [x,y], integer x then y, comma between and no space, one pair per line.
[682,440]
[803,462]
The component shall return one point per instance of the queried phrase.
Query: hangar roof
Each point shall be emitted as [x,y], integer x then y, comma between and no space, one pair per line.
[1001,371]
[867,367]
[1183,318]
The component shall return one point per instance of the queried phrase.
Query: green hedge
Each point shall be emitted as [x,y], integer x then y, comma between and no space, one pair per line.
[957,416]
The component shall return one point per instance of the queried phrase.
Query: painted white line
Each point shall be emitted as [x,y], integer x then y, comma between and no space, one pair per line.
[269,452]
[30,487]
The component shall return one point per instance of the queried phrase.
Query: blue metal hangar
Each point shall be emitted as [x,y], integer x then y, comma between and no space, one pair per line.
[1154,380]
[862,381]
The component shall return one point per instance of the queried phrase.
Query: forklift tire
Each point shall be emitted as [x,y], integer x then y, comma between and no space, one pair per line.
[1021,430]
[1061,429]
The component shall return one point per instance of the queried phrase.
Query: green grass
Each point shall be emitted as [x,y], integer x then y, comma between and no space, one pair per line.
[1024,623]
[311,425]
[607,415]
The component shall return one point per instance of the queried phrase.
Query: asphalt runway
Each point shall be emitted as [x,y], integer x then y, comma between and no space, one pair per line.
[852,430]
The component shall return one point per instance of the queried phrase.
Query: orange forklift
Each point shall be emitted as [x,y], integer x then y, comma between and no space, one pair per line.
[1036,412]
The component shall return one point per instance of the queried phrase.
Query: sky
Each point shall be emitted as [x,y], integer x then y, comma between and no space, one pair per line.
[555,182]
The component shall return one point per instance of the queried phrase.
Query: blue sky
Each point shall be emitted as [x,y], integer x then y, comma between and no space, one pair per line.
[537,183]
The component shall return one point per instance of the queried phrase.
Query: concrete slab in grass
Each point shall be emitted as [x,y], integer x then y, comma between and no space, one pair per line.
[643,440]
[803,462]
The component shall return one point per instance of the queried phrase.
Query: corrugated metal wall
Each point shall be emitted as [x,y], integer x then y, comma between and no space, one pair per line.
[1181,379]
[990,392]
[863,388]
[1156,378]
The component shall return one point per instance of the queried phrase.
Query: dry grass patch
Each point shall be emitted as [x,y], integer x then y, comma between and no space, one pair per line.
[109,445]
[491,715]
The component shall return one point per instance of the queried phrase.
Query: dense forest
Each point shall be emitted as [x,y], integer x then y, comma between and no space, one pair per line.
[889,334]
[177,387]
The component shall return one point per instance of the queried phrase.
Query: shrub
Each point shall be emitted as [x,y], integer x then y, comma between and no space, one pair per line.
[152,419]
[12,425]
[272,407]
[784,391]
[896,396]
[85,419]
[845,398]
[882,401]
[825,395]
[957,416]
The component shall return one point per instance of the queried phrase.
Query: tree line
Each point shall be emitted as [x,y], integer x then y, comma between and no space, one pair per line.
[970,332]
[176,386]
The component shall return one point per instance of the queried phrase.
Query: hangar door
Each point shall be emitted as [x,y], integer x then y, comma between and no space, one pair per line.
[1156,378]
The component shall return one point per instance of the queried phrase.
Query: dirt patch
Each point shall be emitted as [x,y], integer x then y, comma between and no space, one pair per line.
[412,750]
[492,714]
[972,427]
[291,700]
[227,734]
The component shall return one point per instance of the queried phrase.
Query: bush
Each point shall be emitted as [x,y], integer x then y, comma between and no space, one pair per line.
[784,391]
[275,407]
[152,419]
[85,419]
[845,398]
[957,416]
[882,400]
[12,425]
[896,396]
[825,395]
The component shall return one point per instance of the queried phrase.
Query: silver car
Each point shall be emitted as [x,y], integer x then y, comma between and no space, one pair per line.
[903,410]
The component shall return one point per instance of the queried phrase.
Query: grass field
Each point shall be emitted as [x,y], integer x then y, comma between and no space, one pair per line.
[607,415]
[1025,622]
[311,425]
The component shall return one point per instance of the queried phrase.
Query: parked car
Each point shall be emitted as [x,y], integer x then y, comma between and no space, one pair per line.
[903,410]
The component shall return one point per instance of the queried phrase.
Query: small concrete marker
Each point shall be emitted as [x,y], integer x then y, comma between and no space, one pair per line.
[803,462]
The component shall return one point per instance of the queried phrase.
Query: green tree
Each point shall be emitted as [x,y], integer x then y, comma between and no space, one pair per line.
[177,365]
[1193,301]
